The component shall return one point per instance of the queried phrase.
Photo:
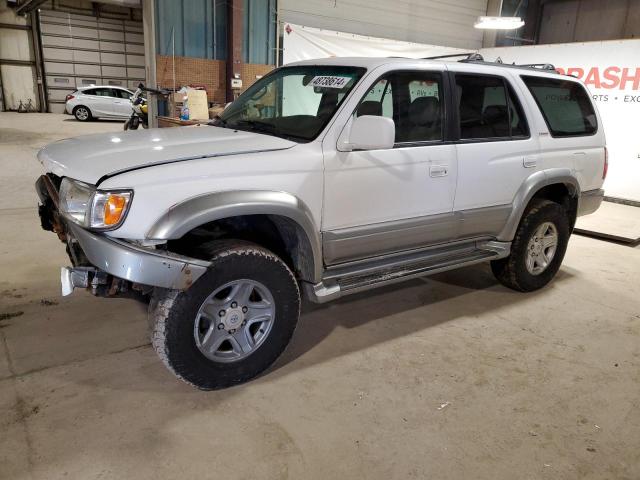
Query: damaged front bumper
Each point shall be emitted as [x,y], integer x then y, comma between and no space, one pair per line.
[141,265]
[95,256]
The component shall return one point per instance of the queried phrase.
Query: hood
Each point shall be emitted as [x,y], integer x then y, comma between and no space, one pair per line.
[94,157]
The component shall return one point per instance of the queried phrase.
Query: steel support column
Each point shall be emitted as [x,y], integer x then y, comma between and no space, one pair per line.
[235,34]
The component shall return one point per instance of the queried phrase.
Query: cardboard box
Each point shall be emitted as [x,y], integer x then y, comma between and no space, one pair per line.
[197,102]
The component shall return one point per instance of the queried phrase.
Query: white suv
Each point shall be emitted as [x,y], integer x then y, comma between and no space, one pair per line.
[93,102]
[331,177]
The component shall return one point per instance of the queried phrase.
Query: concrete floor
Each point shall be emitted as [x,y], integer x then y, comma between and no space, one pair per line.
[451,377]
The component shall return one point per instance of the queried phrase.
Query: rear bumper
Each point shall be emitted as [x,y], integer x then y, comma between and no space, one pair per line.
[590,201]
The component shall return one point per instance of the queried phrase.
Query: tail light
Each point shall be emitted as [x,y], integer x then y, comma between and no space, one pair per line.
[605,168]
[70,97]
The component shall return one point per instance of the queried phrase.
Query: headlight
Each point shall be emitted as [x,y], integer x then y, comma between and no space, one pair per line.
[75,199]
[86,206]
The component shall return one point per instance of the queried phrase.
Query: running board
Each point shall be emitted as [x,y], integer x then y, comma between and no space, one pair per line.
[363,275]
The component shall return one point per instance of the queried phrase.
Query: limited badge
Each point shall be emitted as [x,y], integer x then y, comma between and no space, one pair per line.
[329,81]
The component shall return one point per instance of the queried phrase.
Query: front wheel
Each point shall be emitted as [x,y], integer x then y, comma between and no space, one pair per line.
[537,250]
[233,323]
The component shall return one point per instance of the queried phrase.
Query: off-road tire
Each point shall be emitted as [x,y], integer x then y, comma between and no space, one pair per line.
[512,271]
[172,314]
[82,118]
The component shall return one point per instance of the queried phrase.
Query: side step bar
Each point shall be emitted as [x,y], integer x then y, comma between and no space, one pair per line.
[363,275]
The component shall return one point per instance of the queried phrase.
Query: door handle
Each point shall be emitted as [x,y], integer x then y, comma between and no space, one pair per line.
[530,161]
[438,171]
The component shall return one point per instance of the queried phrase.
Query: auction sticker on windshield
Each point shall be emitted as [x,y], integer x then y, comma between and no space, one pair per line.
[329,81]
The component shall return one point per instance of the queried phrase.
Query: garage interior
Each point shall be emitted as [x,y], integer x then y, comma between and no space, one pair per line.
[449,376]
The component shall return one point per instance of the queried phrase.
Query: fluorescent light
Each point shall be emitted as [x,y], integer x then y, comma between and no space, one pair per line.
[499,23]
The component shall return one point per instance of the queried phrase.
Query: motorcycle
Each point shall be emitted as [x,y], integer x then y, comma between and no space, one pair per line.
[139,105]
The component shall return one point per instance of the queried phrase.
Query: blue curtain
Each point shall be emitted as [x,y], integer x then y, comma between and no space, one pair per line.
[259,45]
[198,28]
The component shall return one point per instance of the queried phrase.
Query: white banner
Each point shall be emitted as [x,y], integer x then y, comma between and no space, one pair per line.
[304,43]
[611,71]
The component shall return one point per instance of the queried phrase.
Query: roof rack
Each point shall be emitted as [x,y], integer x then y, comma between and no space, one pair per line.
[453,55]
[474,57]
[499,63]
[543,66]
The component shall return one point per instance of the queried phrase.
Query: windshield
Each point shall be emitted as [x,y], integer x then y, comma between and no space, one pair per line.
[292,102]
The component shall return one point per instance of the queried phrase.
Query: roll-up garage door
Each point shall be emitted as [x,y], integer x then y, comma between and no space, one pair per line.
[81,50]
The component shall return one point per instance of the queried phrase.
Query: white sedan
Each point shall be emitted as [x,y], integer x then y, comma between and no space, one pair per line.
[88,103]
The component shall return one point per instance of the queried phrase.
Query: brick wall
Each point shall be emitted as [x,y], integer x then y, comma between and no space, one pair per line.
[202,71]
[249,72]
[193,71]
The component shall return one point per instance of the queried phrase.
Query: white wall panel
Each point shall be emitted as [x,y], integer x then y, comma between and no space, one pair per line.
[447,23]
[18,86]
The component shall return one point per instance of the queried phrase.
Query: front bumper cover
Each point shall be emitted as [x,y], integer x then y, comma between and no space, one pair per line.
[138,264]
[121,259]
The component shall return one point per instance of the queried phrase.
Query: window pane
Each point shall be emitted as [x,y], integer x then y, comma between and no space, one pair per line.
[412,100]
[424,112]
[482,107]
[565,105]
[293,102]
[378,101]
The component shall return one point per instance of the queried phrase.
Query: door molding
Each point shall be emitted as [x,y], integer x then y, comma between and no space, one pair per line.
[354,243]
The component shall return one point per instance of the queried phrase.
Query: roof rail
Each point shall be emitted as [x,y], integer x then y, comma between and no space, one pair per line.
[499,63]
[453,55]
[543,66]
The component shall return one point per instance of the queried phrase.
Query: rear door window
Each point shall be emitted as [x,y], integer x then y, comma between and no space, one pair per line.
[488,109]
[103,92]
[565,106]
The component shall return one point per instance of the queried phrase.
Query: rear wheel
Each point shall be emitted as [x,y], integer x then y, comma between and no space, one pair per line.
[232,324]
[82,113]
[537,250]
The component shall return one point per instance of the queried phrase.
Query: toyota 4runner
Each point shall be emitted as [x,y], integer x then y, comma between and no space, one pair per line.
[328,177]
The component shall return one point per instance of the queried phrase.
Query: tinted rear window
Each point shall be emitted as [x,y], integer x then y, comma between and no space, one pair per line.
[565,105]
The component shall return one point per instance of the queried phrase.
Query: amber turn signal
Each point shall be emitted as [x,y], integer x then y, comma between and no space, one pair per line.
[114,208]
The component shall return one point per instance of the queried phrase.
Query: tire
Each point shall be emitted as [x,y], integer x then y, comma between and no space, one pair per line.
[180,326]
[514,271]
[82,113]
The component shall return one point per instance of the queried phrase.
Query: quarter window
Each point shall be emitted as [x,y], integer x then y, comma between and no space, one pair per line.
[122,93]
[565,105]
[488,109]
[413,100]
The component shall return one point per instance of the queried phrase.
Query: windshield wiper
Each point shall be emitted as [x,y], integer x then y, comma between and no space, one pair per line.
[261,127]
[218,121]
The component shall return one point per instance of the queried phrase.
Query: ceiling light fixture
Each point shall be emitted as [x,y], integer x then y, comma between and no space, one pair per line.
[499,23]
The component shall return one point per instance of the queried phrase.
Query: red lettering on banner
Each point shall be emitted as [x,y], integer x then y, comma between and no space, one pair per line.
[593,78]
[575,72]
[610,74]
[607,78]
[626,77]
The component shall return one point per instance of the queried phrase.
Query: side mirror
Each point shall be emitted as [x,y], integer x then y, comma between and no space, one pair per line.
[370,132]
